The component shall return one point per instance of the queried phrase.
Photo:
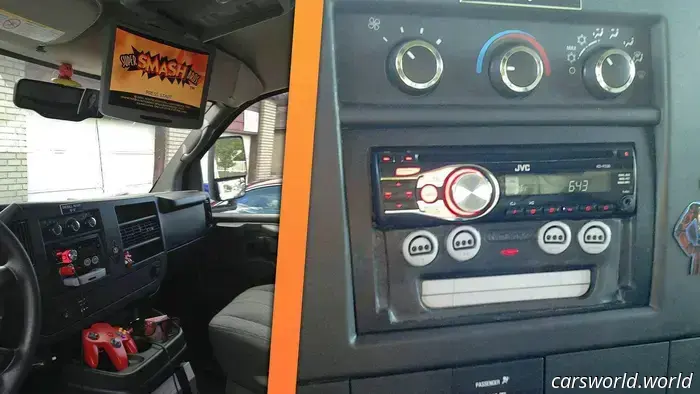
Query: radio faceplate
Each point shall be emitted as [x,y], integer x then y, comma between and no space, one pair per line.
[423,186]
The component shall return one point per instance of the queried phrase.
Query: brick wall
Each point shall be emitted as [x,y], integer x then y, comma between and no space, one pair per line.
[13,135]
[265,141]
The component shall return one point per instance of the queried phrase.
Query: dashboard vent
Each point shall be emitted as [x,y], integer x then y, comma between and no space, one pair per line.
[139,228]
[140,231]
[21,231]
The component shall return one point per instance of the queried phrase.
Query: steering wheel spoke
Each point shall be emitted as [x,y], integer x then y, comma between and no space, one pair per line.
[9,212]
[6,277]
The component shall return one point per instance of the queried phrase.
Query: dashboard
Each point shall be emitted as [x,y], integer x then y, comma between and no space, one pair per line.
[92,257]
[498,196]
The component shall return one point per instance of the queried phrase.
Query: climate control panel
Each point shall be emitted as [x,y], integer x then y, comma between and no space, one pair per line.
[457,60]
[71,225]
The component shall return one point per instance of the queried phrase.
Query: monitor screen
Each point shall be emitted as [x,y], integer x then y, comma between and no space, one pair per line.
[155,77]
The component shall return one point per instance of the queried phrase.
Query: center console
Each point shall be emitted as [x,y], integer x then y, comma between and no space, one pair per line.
[496,198]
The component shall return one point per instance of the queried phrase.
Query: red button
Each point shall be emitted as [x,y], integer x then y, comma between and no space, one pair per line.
[408,158]
[551,210]
[67,270]
[533,211]
[387,195]
[399,205]
[509,252]
[589,208]
[398,184]
[409,194]
[606,207]
[386,159]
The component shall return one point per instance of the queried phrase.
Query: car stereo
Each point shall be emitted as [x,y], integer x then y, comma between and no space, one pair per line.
[459,184]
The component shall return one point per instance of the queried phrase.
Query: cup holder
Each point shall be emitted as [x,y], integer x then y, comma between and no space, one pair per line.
[142,344]
[135,359]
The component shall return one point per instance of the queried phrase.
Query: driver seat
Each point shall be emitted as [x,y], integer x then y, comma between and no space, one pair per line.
[240,337]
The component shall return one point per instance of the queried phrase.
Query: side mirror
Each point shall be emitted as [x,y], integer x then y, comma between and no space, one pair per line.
[227,169]
[56,101]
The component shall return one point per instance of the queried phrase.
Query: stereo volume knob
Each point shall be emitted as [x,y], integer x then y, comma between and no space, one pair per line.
[73,224]
[471,192]
[607,73]
[56,229]
[516,71]
[91,222]
[415,67]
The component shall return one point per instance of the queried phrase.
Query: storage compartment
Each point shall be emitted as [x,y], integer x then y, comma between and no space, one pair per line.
[148,369]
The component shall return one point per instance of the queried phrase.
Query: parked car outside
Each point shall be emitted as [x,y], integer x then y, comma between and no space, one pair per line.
[261,197]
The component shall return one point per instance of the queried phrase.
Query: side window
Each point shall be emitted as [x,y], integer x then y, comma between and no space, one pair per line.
[249,151]
[265,200]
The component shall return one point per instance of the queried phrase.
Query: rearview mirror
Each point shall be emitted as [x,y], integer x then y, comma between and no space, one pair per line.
[227,168]
[56,101]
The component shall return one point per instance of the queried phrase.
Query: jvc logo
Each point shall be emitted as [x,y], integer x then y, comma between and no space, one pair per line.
[522,168]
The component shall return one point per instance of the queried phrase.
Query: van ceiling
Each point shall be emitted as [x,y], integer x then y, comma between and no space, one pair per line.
[256,32]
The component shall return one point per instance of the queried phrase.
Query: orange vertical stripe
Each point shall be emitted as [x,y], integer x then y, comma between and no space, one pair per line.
[296,187]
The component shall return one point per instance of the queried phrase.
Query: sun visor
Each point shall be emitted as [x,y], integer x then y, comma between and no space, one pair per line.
[45,22]
[233,83]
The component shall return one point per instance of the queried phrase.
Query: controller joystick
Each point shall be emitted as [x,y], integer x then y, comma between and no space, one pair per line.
[114,341]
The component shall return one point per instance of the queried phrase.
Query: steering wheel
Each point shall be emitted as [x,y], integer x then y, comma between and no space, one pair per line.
[15,363]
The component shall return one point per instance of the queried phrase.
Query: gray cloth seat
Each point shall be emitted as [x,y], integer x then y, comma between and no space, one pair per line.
[240,337]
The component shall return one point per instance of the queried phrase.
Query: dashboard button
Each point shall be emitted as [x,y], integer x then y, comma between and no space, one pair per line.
[527,376]
[533,211]
[387,159]
[429,194]
[569,208]
[514,212]
[606,207]
[587,208]
[551,210]
[408,158]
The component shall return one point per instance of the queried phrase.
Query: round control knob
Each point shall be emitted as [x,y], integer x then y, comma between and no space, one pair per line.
[73,224]
[56,229]
[471,192]
[516,71]
[91,222]
[607,73]
[415,67]
[71,255]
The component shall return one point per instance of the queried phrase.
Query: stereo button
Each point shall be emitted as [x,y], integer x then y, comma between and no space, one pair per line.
[429,194]
[554,237]
[408,158]
[551,210]
[569,208]
[606,207]
[534,211]
[514,212]
[587,208]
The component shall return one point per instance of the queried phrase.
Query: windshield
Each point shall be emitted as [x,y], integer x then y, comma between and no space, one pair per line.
[53,160]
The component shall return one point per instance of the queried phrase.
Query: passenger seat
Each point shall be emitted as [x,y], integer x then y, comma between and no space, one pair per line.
[240,336]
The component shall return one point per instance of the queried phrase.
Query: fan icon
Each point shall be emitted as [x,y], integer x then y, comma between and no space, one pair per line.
[373,23]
